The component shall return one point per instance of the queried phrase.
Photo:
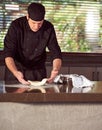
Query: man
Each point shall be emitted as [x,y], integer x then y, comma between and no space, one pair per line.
[25,47]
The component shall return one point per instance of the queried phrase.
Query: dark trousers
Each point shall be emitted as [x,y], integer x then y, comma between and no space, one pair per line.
[33,75]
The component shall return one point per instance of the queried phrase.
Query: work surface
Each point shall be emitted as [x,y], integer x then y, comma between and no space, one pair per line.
[54,93]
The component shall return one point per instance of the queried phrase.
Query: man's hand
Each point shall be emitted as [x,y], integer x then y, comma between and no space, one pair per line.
[56,67]
[12,67]
[54,73]
[20,77]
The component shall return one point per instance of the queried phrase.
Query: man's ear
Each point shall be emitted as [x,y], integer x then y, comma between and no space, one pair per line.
[27,17]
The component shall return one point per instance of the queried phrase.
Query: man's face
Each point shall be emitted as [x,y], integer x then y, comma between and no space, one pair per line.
[35,25]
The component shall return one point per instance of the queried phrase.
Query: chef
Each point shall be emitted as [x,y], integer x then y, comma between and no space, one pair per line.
[25,47]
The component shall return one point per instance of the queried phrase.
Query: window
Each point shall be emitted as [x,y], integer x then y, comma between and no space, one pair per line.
[78,23]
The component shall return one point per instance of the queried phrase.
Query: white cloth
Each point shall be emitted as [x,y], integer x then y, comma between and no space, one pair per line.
[79,82]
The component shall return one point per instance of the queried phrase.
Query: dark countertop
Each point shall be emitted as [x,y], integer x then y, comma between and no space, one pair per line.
[93,96]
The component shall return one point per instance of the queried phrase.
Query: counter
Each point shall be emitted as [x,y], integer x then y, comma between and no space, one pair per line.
[51,96]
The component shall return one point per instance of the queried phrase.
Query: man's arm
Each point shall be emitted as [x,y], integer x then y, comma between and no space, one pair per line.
[55,70]
[12,67]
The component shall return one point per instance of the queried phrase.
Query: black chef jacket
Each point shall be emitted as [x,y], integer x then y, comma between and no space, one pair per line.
[28,47]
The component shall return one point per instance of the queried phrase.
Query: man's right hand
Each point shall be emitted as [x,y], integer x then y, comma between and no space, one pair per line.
[20,77]
[12,67]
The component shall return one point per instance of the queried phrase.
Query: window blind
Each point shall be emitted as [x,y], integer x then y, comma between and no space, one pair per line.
[78,24]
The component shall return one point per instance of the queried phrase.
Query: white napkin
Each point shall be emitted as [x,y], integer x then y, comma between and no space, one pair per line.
[81,84]
[80,81]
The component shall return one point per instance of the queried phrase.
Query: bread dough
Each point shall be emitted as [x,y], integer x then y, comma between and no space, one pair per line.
[38,83]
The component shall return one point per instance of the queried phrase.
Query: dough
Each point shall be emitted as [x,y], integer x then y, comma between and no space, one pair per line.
[38,83]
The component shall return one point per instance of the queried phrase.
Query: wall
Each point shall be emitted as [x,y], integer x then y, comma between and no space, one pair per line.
[20,116]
